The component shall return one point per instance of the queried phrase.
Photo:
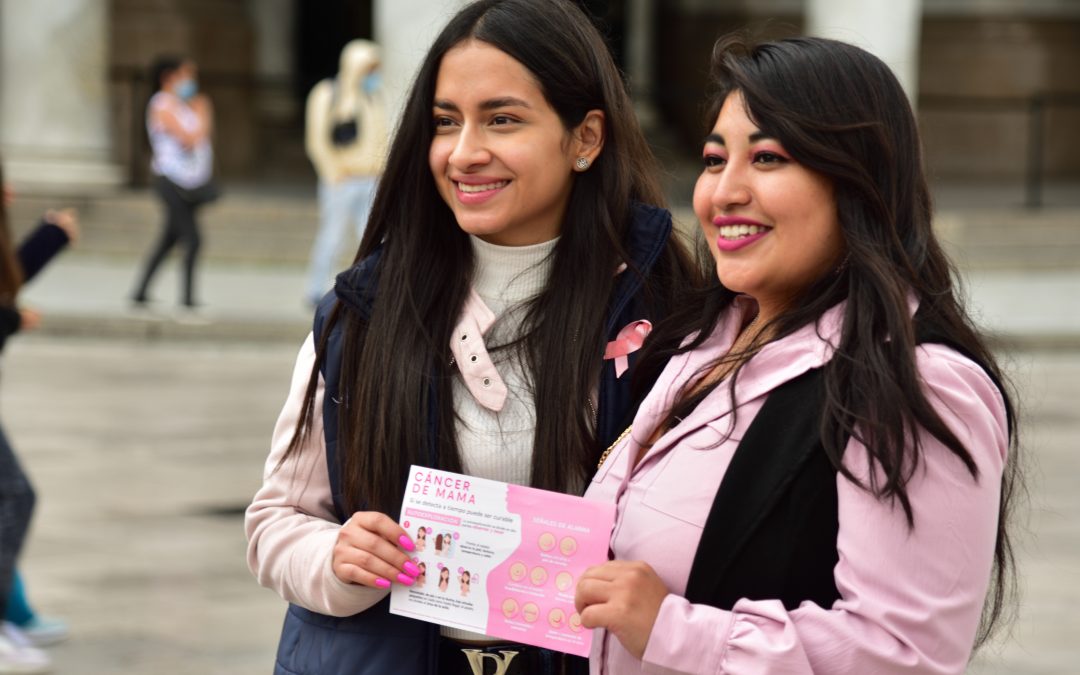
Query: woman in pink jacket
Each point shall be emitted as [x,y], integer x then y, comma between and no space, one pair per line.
[820,478]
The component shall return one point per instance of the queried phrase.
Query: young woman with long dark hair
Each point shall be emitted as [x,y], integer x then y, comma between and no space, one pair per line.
[820,479]
[515,251]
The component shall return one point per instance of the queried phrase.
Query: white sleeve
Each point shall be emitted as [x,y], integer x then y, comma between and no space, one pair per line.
[290,525]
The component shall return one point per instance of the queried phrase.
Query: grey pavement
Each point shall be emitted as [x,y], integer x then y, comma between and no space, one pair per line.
[146,437]
[144,452]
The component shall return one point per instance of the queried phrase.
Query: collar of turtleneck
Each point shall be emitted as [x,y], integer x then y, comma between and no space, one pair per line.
[507,275]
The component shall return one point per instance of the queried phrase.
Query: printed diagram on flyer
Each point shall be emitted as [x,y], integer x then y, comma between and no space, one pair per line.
[500,559]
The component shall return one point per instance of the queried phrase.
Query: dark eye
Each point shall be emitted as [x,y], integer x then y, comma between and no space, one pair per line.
[502,120]
[766,157]
[442,122]
[713,161]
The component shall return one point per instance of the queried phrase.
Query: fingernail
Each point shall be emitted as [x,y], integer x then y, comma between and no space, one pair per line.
[405,542]
[382,583]
[405,579]
[411,569]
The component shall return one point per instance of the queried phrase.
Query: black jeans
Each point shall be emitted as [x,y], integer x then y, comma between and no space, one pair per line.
[180,227]
[16,507]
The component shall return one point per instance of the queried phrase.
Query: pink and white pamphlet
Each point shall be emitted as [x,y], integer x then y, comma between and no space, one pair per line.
[500,559]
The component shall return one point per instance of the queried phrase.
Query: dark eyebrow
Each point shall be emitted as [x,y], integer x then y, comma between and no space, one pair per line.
[490,104]
[504,102]
[754,138]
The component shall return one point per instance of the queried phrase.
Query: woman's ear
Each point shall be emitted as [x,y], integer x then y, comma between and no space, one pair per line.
[588,140]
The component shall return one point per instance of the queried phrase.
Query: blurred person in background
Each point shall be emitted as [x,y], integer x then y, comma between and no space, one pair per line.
[345,138]
[17,266]
[180,123]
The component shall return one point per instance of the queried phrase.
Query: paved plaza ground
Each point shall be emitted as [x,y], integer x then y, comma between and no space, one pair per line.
[145,452]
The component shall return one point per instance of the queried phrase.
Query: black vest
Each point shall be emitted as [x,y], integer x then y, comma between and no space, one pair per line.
[771,532]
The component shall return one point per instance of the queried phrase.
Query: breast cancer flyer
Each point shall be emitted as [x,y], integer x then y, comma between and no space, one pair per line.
[500,559]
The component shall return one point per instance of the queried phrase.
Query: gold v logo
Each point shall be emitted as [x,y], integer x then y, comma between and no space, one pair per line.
[476,660]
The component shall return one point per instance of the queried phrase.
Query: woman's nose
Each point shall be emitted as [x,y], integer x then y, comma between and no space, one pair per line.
[731,188]
[470,149]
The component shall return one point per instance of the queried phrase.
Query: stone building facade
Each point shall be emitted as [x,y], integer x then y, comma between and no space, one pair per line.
[995,81]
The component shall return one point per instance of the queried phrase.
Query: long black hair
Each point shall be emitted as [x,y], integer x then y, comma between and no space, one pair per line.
[163,66]
[426,267]
[840,111]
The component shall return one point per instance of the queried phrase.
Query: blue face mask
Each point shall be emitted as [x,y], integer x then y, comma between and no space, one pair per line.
[187,88]
[372,83]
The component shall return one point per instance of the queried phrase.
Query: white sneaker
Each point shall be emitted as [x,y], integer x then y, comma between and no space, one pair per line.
[16,654]
[44,631]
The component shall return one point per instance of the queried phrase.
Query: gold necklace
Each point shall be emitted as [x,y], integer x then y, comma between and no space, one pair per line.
[611,447]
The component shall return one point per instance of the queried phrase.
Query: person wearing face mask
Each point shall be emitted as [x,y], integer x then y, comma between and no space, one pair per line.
[179,122]
[345,138]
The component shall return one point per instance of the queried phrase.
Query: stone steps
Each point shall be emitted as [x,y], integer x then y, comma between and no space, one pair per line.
[266,225]
[242,227]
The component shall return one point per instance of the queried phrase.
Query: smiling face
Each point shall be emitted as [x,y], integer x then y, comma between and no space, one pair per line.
[501,157]
[770,222]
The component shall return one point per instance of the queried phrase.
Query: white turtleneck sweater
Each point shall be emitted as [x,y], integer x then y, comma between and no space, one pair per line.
[499,445]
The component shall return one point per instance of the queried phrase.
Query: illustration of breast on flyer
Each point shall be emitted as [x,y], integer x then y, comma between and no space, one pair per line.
[500,559]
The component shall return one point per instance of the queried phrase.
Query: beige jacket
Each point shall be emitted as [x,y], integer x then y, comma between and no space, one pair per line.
[341,99]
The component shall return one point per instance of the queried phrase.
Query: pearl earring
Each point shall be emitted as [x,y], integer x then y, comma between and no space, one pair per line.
[582,163]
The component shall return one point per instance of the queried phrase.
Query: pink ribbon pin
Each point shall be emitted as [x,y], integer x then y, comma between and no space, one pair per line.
[628,341]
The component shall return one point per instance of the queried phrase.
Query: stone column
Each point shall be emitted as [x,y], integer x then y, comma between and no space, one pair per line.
[54,104]
[640,57]
[272,21]
[887,28]
[405,29]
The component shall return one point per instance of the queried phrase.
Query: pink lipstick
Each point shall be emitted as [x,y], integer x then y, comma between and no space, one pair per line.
[736,232]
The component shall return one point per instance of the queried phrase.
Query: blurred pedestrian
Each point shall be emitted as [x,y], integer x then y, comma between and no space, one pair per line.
[17,266]
[179,121]
[345,138]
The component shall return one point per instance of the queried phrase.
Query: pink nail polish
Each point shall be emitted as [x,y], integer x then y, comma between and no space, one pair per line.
[411,569]
[406,543]
[405,579]
[382,583]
